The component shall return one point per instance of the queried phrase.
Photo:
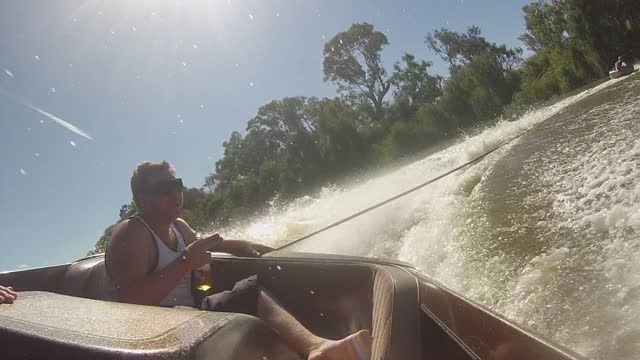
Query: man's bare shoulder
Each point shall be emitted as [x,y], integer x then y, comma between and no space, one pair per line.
[187,232]
[130,252]
[129,231]
[130,238]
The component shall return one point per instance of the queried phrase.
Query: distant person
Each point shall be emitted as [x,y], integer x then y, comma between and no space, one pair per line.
[620,64]
[151,255]
[7,295]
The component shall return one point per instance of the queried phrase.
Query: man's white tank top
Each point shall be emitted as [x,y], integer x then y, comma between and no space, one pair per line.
[181,294]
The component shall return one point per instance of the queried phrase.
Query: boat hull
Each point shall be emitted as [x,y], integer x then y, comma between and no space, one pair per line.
[410,315]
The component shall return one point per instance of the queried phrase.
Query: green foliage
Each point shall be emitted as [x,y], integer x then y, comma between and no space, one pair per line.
[414,85]
[352,61]
[459,49]
[575,42]
[406,138]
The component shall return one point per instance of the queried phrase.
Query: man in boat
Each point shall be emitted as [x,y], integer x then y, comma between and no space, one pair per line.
[151,255]
[620,64]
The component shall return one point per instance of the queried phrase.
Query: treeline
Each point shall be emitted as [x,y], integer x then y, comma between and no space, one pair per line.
[297,144]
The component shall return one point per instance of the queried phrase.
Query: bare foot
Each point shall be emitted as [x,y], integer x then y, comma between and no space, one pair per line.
[354,347]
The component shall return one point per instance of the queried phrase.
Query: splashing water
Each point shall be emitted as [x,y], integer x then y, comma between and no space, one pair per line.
[538,231]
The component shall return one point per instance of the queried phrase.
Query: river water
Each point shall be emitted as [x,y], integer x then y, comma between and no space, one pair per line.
[543,231]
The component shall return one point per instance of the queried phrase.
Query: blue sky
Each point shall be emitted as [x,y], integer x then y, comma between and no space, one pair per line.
[160,79]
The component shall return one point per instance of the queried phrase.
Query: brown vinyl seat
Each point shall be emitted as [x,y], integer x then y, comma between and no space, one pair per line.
[87,279]
[46,325]
[395,321]
[391,293]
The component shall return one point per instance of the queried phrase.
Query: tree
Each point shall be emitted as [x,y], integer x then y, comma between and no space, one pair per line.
[414,83]
[227,168]
[341,146]
[477,92]
[459,49]
[546,25]
[352,61]
[128,210]
[575,41]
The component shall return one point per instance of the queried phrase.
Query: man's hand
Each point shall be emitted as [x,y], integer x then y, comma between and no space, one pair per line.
[244,248]
[196,253]
[7,295]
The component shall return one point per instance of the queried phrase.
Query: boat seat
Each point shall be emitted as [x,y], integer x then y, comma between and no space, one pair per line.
[45,325]
[88,279]
[394,321]
[391,293]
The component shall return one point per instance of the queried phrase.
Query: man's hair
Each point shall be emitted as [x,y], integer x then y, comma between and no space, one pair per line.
[142,174]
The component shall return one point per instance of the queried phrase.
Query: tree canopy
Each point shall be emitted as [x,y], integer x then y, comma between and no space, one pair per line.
[352,61]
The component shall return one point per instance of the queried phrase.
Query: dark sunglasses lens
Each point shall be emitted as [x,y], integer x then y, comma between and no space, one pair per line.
[165,187]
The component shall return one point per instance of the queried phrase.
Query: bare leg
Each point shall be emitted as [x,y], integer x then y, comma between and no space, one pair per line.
[356,346]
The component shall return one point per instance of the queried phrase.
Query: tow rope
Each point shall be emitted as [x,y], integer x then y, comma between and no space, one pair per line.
[430,181]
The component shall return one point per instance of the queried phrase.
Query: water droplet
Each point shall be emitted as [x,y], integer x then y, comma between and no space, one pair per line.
[37,154]
[321,314]
[250,16]
[236,65]
[311,292]
[195,46]
[278,14]
[134,28]
[73,143]
[340,41]
[201,106]
[181,121]
[41,121]
[23,171]
[179,116]
[53,90]
[251,84]
[6,71]
[37,57]
[113,32]
[184,63]
[278,267]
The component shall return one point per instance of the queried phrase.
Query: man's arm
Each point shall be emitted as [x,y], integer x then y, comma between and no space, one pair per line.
[130,261]
[234,247]
[188,234]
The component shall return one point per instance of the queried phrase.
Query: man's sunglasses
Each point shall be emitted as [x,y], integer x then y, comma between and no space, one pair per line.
[164,187]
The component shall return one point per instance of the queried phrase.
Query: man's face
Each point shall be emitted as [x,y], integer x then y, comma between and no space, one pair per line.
[163,195]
